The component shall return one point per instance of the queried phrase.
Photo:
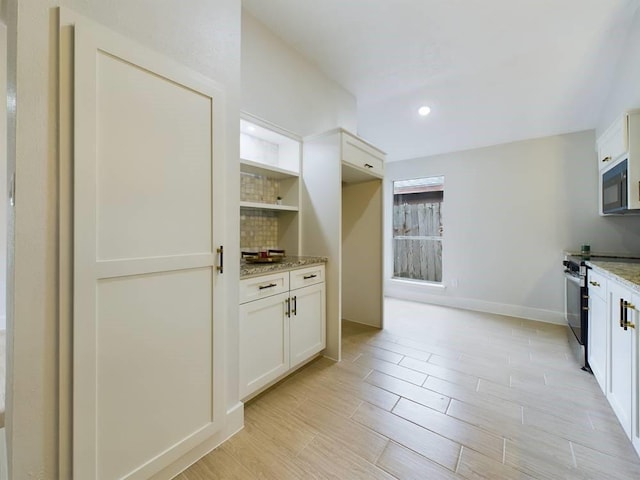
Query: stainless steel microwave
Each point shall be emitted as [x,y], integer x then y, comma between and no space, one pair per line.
[615,189]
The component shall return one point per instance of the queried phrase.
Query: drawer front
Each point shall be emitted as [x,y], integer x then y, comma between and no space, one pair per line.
[307,276]
[597,284]
[357,153]
[613,143]
[263,286]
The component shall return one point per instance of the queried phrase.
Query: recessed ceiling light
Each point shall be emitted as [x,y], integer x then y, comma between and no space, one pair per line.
[424,111]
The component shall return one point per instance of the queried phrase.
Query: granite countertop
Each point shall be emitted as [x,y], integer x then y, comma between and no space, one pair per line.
[623,272]
[288,263]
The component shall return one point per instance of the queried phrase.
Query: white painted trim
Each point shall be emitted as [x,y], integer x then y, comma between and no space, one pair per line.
[234,422]
[3,455]
[518,311]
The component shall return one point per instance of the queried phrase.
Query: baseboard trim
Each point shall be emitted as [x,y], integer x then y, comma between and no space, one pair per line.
[234,423]
[519,311]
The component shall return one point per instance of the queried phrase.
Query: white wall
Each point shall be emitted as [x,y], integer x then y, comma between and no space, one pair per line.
[202,34]
[624,91]
[283,87]
[509,212]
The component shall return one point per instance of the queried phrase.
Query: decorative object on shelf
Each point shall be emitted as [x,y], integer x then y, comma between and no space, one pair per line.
[278,200]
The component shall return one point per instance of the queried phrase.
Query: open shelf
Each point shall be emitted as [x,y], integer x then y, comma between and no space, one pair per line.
[269,206]
[256,168]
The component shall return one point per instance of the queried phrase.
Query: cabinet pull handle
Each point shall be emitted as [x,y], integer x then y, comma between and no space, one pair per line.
[622,310]
[307,277]
[595,284]
[271,285]
[606,159]
[627,323]
[288,311]
[367,165]
[220,252]
[295,305]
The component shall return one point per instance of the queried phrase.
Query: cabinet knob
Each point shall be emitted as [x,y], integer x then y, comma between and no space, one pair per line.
[606,159]
[595,284]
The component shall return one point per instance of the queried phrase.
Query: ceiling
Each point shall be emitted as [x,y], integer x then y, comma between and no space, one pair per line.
[492,71]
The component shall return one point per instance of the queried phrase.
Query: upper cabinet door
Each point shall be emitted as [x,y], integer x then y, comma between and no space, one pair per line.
[147,298]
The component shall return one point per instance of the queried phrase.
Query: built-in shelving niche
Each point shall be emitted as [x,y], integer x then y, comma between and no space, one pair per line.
[269,187]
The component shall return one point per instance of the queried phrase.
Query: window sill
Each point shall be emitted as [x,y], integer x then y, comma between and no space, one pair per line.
[418,283]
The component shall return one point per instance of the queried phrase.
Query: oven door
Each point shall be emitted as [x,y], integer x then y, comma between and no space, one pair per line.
[573,304]
[614,189]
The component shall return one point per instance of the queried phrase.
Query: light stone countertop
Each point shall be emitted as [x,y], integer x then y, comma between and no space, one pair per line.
[289,263]
[625,273]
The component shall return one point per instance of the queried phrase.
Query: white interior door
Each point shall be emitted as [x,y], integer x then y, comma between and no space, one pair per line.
[147,302]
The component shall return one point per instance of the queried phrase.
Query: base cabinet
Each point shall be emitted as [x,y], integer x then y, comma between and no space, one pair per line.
[598,326]
[264,343]
[622,349]
[280,332]
[307,329]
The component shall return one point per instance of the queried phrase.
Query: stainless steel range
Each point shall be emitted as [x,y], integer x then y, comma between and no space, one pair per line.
[577,307]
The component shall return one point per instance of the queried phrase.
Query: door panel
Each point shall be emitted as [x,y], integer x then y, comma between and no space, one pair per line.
[308,326]
[264,342]
[154,372]
[148,305]
[153,164]
[620,385]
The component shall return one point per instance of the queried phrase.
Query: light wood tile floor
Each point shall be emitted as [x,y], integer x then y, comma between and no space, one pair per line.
[439,394]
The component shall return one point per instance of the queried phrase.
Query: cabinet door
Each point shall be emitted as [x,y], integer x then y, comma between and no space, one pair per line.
[307,323]
[621,350]
[634,317]
[598,314]
[598,328]
[264,342]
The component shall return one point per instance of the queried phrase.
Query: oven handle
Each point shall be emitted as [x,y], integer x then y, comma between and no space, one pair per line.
[573,278]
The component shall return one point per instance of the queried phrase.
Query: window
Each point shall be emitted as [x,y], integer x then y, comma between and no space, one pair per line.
[417,229]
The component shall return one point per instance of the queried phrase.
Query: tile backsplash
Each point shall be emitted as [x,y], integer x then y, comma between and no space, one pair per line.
[256,188]
[258,229]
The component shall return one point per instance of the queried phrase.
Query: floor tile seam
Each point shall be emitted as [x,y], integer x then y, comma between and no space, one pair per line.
[481,395]
[468,374]
[407,354]
[449,438]
[573,421]
[346,444]
[411,347]
[459,459]
[624,457]
[400,378]
[401,396]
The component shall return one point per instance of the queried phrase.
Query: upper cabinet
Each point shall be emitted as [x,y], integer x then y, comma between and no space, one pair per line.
[613,142]
[361,161]
[270,161]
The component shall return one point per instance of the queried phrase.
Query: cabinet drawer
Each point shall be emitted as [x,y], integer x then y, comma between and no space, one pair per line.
[613,142]
[597,284]
[263,286]
[357,153]
[307,276]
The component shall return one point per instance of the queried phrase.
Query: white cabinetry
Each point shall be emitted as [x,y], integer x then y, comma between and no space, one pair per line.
[598,327]
[269,186]
[264,343]
[342,203]
[622,355]
[613,142]
[280,331]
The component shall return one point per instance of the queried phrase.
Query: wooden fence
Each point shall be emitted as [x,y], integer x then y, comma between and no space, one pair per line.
[417,241]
